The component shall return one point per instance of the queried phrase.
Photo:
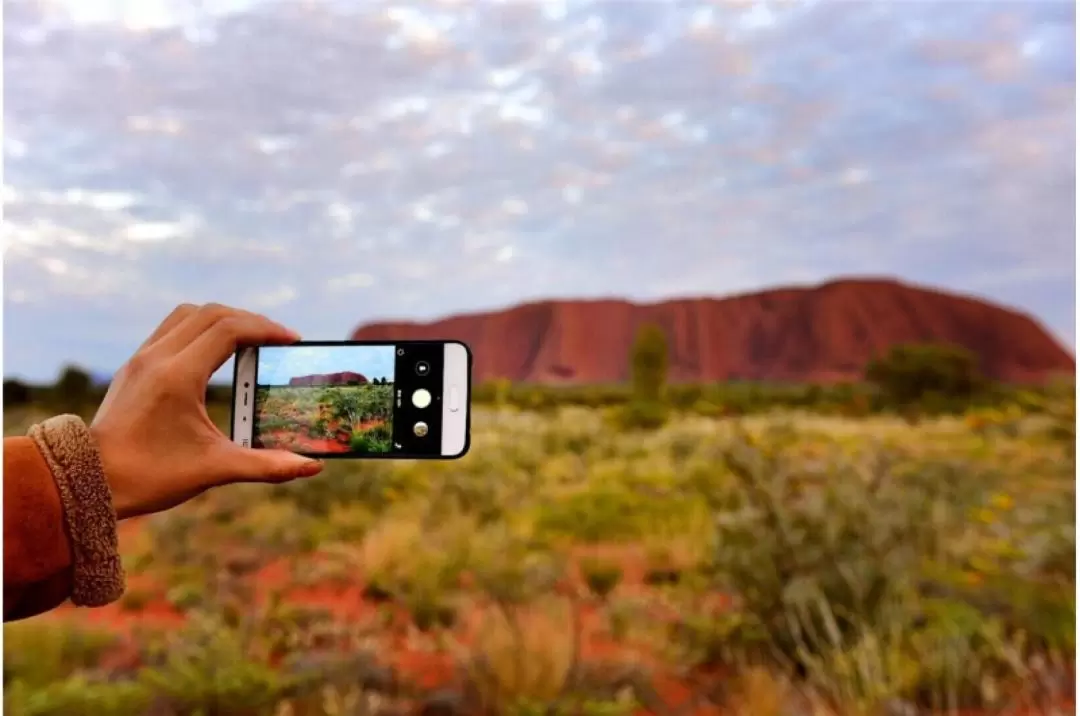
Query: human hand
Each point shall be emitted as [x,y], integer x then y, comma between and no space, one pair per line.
[158,445]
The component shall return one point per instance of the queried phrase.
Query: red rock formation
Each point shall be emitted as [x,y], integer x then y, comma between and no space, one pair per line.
[344,378]
[824,333]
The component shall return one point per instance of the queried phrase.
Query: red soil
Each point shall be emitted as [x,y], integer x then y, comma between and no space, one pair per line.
[305,443]
[824,333]
[402,646]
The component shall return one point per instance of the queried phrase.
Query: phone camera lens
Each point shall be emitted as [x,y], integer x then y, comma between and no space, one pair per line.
[246,384]
[423,368]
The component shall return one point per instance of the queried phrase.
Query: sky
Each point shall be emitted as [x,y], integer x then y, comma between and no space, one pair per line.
[277,365]
[341,162]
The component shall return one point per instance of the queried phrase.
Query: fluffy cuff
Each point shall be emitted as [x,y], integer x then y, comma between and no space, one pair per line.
[89,515]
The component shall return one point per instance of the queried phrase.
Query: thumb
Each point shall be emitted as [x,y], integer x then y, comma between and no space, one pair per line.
[263,465]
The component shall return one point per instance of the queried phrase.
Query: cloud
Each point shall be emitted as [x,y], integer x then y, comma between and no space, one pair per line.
[333,163]
[277,366]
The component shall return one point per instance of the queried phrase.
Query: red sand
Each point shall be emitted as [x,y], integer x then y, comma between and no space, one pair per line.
[415,661]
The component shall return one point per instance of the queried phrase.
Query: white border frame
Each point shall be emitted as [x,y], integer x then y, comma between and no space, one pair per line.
[455,400]
[246,364]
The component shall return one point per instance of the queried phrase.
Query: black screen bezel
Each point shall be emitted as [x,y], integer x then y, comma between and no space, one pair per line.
[374,456]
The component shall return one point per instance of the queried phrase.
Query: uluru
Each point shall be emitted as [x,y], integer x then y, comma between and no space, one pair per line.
[343,378]
[824,334]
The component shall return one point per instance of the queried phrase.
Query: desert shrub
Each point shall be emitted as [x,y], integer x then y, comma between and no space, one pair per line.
[465,493]
[648,370]
[272,423]
[184,597]
[642,415]
[40,652]
[734,398]
[321,429]
[608,512]
[521,656]
[355,405]
[376,439]
[16,393]
[511,571]
[430,609]
[73,390]
[374,484]
[1063,424]
[649,364]
[78,695]
[935,377]
[830,566]
[209,667]
[601,577]
[136,600]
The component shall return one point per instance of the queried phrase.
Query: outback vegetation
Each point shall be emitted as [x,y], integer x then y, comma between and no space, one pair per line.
[897,551]
[325,419]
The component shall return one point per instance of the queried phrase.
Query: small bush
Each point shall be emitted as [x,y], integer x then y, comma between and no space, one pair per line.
[136,600]
[935,377]
[40,652]
[78,695]
[601,577]
[376,439]
[643,415]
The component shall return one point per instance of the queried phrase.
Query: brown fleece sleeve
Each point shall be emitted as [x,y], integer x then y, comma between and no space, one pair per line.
[63,519]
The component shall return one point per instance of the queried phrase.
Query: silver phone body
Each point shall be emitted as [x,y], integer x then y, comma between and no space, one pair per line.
[454,402]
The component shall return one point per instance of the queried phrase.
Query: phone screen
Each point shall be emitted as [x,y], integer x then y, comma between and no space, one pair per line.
[348,400]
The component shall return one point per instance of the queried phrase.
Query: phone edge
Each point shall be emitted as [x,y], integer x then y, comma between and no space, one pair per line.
[245,364]
[457,371]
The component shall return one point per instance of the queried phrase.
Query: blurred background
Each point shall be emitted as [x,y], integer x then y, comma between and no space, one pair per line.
[337,163]
[838,479]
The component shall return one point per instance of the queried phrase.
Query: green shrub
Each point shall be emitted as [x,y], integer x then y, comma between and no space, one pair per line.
[40,652]
[376,439]
[604,513]
[184,597]
[208,668]
[16,393]
[429,610]
[938,378]
[73,390]
[830,569]
[649,365]
[643,415]
[601,577]
[136,600]
[77,695]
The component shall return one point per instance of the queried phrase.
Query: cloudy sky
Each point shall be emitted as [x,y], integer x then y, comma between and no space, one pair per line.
[277,366]
[334,163]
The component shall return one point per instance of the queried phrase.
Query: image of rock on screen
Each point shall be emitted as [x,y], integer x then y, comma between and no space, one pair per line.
[325,399]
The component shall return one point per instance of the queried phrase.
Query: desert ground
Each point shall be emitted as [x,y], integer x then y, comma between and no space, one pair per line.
[326,419]
[782,563]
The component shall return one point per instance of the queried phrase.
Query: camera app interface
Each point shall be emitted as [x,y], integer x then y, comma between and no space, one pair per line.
[342,400]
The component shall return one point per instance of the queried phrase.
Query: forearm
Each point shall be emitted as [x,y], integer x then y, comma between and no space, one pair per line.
[60,537]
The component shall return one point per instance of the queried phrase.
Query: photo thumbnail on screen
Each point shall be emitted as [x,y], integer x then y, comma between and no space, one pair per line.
[325,399]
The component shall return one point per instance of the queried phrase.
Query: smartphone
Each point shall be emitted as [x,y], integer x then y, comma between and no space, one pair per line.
[354,399]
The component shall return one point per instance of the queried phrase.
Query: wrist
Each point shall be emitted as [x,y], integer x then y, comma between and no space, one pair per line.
[112,470]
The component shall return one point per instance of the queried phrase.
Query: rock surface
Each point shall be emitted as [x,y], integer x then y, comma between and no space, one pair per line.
[345,378]
[823,334]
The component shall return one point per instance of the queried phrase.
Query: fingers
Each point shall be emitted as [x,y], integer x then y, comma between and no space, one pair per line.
[171,321]
[219,338]
[258,465]
[198,322]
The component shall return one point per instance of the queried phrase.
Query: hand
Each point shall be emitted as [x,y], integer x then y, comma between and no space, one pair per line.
[157,442]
